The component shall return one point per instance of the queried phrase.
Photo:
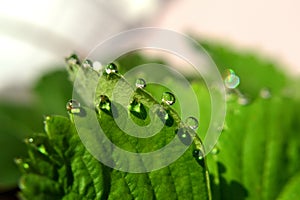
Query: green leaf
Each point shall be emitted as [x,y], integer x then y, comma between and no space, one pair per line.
[260,146]
[61,159]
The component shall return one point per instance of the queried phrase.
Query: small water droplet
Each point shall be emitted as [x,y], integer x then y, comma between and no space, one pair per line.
[192,122]
[137,109]
[87,63]
[231,80]
[215,150]
[243,100]
[265,93]
[73,107]
[140,83]
[168,98]
[198,154]
[73,60]
[111,68]
[97,66]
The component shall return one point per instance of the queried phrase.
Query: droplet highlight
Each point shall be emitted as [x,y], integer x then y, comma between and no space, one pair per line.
[192,122]
[168,98]
[73,107]
[231,80]
[140,83]
[111,68]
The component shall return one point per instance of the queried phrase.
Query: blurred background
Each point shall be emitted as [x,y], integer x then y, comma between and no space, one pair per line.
[36,36]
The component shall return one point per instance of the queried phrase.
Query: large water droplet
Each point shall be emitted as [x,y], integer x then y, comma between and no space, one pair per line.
[168,98]
[164,116]
[140,83]
[231,80]
[105,104]
[265,93]
[138,109]
[184,136]
[111,68]
[192,122]
[73,107]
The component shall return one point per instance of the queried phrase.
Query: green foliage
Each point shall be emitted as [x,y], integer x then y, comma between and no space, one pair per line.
[69,171]
[257,155]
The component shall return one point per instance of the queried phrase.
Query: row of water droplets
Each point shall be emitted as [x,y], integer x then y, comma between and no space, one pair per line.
[167,98]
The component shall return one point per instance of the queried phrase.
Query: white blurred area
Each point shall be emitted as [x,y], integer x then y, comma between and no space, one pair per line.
[36,35]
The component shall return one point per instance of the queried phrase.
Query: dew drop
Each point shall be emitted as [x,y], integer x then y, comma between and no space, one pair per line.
[164,116]
[184,136]
[137,109]
[111,68]
[192,122]
[265,93]
[243,100]
[140,83]
[215,151]
[168,98]
[198,154]
[97,66]
[87,63]
[73,107]
[105,104]
[231,80]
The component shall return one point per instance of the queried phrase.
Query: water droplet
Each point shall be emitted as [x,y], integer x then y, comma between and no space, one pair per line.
[231,80]
[243,100]
[265,93]
[137,109]
[215,150]
[97,66]
[111,68]
[73,107]
[168,98]
[140,83]
[105,104]
[184,136]
[38,143]
[165,116]
[198,154]
[87,63]
[192,122]
[73,60]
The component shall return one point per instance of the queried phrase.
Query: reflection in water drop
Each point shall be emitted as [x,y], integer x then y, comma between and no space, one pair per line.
[137,109]
[73,107]
[140,83]
[168,98]
[192,122]
[111,68]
